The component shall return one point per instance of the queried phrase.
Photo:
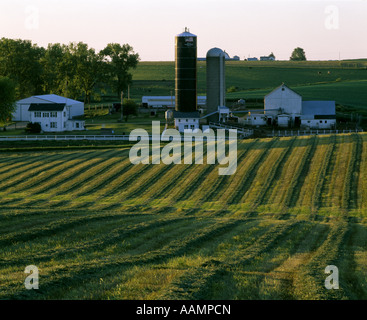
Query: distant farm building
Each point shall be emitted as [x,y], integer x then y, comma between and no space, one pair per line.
[166,101]
[284,107]
[22,113]
[267,58]
[252,59]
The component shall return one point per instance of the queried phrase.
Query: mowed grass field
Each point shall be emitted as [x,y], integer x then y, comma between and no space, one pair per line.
[99,227]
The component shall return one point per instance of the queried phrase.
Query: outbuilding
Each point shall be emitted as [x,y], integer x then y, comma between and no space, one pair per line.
[186,120]
[318,115]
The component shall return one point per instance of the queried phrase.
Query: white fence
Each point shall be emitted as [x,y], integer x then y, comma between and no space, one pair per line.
[288,133]
[66,137]
[240,131]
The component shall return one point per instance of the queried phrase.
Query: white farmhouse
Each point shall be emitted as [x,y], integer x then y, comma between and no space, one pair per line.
[54,117]
[76,108]
[186,120]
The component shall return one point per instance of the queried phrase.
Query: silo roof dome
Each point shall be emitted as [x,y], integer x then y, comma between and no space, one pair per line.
[215,52]
[186,33]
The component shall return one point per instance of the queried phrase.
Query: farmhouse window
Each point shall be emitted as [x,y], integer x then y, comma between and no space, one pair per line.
[53,124]
[77,124]
[46,115]
[37,114]
[53,114]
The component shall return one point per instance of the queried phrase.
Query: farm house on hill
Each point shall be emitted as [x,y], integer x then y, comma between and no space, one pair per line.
[21,113]
[285,108]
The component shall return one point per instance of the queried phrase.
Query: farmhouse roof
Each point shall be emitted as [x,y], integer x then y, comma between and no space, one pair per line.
[49,98]
[318,108]
[186,115]
[46,107]
[283,86]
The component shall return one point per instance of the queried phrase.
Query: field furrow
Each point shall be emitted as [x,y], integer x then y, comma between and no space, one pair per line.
[249,171]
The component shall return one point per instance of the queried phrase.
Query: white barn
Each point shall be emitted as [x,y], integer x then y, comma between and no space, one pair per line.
[54,117]
[186,120]
[76,108]
[284,100]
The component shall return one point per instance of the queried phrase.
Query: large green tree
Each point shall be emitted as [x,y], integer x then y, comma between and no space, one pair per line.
[298,54]
[7,98]
[119,61]
[52,73]
[87,66]
[20,61]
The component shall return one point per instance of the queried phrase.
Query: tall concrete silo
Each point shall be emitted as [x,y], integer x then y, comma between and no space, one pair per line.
[215,81]
[185,72]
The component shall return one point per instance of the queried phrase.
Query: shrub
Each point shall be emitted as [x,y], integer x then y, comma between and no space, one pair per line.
[33,127]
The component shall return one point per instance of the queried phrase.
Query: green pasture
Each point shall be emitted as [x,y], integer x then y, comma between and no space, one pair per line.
[99,227]
[342,81]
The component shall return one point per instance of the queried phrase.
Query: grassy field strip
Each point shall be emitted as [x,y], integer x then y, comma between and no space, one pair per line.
[216,184]
[138,188]
[274,171]
[278,283]
[57,174]
[285,182]
[17,162]
[310,191]
[291,179]
[24,199]
[249,169]
[309,283]
[188,183]
[339,175]
[355,256]
[35,165]
[195,283]
[116,237]
[76,274]
[362,183]
[298,179]
[204,264]
[57,162]
[255,274]
[210,185]
[114,172]
[155,195]
[65,179]
[93,173]
[50,225]
[349,197]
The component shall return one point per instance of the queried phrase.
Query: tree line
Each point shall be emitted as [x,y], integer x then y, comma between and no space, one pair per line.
[73,70]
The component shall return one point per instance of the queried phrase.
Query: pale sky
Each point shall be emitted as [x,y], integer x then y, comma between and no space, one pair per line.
[325,29]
